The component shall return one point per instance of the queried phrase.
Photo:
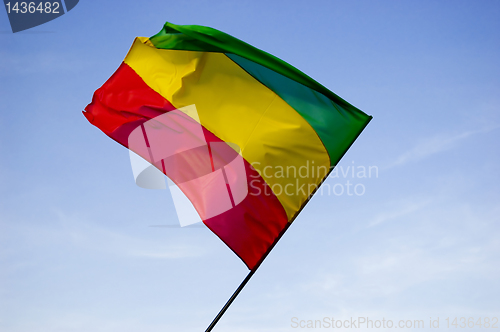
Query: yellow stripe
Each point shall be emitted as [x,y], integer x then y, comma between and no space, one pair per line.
[238,109]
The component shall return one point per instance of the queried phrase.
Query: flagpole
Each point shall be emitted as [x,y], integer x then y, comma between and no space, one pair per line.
[252,272]
[244,282]
[230,301]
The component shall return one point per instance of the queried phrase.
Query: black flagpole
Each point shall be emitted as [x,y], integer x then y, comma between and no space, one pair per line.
[231,299]
[252,272]
[244,282]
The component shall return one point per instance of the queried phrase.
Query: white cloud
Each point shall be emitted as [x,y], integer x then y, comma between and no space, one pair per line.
[102,239]
[403,208]
[94,238]
[441,250]
[434,145]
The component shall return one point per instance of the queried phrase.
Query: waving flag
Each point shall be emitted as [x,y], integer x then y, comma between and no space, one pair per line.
[256,120]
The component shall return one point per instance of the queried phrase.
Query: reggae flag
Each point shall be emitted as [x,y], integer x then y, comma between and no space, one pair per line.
[216,114]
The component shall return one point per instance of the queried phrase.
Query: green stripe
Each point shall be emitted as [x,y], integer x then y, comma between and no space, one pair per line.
[336,122]
[335,126]
[200,38]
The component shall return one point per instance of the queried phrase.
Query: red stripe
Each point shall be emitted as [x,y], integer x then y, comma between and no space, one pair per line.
[253,225]
[125,102]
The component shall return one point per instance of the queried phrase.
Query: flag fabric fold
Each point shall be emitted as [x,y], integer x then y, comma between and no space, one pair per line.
[289,130]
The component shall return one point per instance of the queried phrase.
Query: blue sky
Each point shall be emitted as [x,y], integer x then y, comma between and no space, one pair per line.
[77,252]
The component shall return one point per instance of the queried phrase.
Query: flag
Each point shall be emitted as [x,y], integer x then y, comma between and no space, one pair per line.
[285,130]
